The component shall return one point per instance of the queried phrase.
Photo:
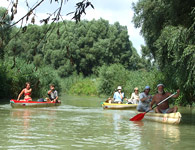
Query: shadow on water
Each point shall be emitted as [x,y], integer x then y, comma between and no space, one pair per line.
[4,101]
[188,115]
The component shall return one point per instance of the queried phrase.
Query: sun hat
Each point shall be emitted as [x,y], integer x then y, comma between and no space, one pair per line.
[119,88]
[136,88]
[147,87]
[160,85]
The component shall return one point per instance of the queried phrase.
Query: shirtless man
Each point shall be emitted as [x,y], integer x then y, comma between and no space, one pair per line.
[161,95]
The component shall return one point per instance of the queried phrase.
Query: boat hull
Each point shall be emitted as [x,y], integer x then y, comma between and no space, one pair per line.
[169,118]
[118,106]
[33,104]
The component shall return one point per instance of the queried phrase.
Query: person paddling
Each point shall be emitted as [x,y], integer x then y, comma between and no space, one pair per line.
[145,99]
[118,95]
[164,107]
[53,94]
[134,97]
[27,93]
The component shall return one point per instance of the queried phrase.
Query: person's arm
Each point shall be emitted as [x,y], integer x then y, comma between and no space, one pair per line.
[56,99]
[56,96]
[49,92]
[138,98]
[145,98]
[20,95]
[114,97]
[152,102]
[121,95]
[131,96]
[176,95]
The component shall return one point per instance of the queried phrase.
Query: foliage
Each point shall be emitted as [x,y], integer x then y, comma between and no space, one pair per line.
[111,77]
[4,30]
[68,82]
[85,87]
[14,79]
[82,48]
[51,16]
[116,75]
[168,29]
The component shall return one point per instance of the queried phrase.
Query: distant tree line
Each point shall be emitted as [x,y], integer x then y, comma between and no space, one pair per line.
[66,48]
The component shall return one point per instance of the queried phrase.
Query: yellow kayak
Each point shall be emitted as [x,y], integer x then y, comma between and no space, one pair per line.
[118,106]
[170,118]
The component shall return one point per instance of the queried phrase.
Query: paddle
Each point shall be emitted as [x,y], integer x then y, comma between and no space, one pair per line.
[140,116]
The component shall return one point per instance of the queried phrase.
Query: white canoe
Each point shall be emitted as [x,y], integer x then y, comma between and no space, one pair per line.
[118,106]
[170,118]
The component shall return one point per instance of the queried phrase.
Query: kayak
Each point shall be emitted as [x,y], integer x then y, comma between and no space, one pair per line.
[35,104]
[118,106]
[170,118]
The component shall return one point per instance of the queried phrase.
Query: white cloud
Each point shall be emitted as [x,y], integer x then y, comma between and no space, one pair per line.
[112,10]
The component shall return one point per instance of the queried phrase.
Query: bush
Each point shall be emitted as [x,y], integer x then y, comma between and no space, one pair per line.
[14,77]
[85,87]
[112,76]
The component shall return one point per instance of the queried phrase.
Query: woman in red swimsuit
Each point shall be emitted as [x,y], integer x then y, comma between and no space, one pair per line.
[27,93]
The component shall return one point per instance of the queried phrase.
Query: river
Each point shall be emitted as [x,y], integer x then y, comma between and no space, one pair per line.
[80,123]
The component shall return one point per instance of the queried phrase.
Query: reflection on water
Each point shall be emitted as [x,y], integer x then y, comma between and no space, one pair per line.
[138,123]
[79,126]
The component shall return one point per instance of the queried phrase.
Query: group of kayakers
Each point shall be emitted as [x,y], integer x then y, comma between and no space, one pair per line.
[145,101]
[52,93]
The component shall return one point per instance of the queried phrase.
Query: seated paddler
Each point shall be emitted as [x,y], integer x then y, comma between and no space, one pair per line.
[160,96]
[118,95]
[53,94]
[27,93]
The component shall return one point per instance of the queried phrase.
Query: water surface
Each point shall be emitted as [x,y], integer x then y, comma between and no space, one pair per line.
[81,123]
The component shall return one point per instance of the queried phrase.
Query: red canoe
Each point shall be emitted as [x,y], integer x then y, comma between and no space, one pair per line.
[34,104]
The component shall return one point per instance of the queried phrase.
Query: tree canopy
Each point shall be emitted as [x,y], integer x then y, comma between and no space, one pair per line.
[81,47]
[168,27]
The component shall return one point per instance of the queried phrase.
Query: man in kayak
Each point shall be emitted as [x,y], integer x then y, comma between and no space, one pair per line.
[118,95]
[161,95]
[53,94]
[145,99]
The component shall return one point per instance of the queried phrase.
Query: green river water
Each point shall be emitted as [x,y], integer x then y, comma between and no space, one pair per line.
[80,123]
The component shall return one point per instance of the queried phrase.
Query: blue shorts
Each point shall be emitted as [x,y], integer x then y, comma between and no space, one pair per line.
[164,111]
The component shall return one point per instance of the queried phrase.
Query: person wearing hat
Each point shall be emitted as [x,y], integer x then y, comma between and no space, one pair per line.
[145,99]
[134,97]
[161,95]
[118,95]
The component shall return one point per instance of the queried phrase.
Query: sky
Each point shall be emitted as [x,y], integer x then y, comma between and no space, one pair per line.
[112,10]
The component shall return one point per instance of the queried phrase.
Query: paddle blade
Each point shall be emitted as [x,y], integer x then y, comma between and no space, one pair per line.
[138,117]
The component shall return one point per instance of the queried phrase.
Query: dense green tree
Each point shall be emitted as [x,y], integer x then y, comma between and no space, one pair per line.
[4,30]
[81,47]
[168,27]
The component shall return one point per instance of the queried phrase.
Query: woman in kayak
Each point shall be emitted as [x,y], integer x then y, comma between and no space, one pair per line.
[27,93]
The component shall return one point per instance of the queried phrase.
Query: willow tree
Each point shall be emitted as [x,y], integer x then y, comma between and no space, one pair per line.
[168,27]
